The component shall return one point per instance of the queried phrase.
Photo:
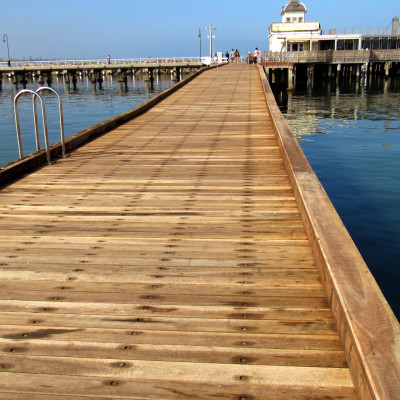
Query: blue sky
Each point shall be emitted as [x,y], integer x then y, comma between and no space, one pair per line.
[81,29]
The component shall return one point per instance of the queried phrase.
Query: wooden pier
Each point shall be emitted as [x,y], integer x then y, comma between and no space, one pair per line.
[288,68]
[189,253]
[19,72]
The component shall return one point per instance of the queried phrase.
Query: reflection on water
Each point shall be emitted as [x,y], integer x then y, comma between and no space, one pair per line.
[82,108]
[351,137]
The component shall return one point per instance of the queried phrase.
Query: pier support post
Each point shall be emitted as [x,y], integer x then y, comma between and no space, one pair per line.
[387,69]
[123,80]
[338,72]
[1,82]
[96,77]
[272,75]
[150,77]
[41,78]
[99,78]
[294,76]
[177,72]
[67,81]
[150,74]
[93,79]
[69,77]
[330,72]
[358,72]
[15,81]
[310,76]
[74,79]
[364,71]
[48,79]
[23,81]
[290,78]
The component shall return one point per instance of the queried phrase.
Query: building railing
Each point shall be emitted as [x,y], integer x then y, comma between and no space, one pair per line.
[332,56]
[360,31]
[385,55]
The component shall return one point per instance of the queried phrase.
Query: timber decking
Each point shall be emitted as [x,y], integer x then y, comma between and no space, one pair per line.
[167,259]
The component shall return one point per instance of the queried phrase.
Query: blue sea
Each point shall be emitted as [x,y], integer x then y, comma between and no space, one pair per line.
[350,133]
[82,108]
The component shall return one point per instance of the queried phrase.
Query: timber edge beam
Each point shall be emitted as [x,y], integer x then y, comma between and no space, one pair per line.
[368,329]
[33,161]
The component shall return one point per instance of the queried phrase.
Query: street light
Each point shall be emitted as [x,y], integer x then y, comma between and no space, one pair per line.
[200,40]
[211,37]
[5,40]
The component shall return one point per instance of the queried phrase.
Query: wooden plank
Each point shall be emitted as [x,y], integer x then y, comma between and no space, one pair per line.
[120,338]
[326,358]
[197,382]
[173,245]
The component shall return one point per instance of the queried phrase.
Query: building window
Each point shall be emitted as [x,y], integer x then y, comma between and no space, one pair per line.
[366,43]
[384,43]
[287,19]
[392,43]
[300,19]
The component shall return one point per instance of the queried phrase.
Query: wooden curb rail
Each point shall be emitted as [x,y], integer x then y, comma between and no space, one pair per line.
[369,331]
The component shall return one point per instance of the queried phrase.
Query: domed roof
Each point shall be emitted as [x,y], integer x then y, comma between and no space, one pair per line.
[294,5]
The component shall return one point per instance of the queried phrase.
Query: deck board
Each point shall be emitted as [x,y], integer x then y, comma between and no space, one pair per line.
[167,259]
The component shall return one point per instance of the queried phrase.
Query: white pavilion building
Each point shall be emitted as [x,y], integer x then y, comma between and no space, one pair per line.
[295,34]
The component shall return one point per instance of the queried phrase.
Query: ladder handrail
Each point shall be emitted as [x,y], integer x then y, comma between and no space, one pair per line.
[60,110]
[46,136]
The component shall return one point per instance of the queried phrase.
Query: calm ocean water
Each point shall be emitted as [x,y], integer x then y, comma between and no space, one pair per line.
[351,136]
[82,108]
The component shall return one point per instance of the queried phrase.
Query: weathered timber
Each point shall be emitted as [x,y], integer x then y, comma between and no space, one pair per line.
[367,326]
[169,258]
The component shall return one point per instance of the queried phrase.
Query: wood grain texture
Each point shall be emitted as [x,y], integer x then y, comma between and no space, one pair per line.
[167,259]
[369,331]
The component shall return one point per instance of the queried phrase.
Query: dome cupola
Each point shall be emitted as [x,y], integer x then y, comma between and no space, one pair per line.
[294,11]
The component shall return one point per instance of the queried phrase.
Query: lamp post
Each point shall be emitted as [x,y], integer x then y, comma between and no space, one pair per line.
[211,37]
[5,40]
[200,40]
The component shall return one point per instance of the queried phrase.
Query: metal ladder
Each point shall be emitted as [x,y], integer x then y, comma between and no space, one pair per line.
[35,95]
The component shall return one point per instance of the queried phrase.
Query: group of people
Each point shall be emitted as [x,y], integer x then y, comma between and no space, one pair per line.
[234,56]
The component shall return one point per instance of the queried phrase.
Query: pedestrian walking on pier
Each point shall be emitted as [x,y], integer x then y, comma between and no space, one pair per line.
[255,55]
[237,56]
[232,56]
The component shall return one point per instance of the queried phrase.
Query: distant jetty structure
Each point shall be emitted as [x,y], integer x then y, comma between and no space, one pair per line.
[70,70]
[299,51]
